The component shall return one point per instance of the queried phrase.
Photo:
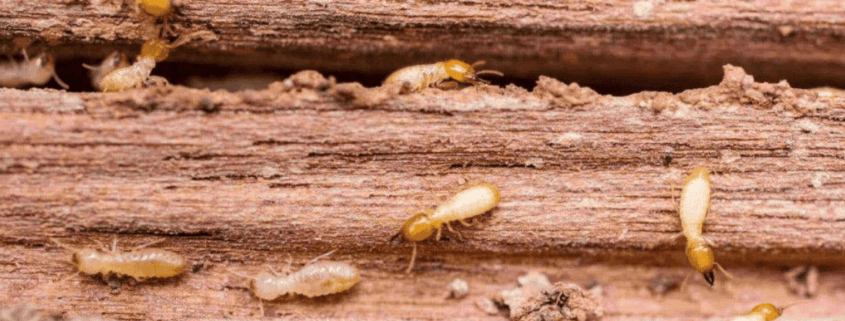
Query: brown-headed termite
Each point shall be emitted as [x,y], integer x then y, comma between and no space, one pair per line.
[420,77]
[693,208]
[115,60]
[471,201]
[37,71]
[139,263]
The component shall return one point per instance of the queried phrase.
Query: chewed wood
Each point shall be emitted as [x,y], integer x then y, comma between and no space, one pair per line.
[589,188]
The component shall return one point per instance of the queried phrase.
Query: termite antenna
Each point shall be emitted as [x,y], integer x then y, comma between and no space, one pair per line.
[489,72]
[89,67]
[478,63]
[792,305]
[721,269]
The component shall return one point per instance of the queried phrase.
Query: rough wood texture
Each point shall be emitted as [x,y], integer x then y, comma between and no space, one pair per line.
[597,42]
[240,180]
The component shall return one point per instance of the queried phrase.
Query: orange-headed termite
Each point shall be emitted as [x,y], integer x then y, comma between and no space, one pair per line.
[138,74]
[764,312]
[420,77]
[695,203]
[139,263]
[314,279]
[37,71]
[471,201]
[115,60]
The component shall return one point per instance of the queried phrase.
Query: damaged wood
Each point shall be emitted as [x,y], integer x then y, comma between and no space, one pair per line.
[597,42]
[237,181]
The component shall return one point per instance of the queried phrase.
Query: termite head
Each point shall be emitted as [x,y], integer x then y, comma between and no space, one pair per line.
[88,261]
[464,72]
[417,228]
[768,310]
[698,172]
[700,256]
[266,287]
[156,8]
[155,49]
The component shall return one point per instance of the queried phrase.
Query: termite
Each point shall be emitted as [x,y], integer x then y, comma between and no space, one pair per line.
[764,312]
[471,201]
[138,74]
[420,77]
[693,208]
[37,71]
[316,278]
[139,263]
[115,60]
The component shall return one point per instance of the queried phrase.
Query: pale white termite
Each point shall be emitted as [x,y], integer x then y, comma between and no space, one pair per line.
[115,60]
[693,208]
[314,279]
[420,77]
[139,263]
[37,71]
[471,201]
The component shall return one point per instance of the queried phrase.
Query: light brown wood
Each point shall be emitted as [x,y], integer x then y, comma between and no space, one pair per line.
[607,43]
[241,180]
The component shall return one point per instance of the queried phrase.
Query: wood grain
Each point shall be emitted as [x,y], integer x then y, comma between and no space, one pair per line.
[596,42]
[241,180]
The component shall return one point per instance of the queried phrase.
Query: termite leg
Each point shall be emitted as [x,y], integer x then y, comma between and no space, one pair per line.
[321,256]
[439,232]
[708,241]
[148,244]
[69,276]
[102,247]
[453,231]
[413,258]
[448,85]
[261,306]
[25,56]
[272,270]
[465,223]
[238,274]
[62,245]
[686,278]
[114,244]
[671,239]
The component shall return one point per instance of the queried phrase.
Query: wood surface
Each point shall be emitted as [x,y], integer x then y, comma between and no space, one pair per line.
[238,181]
[619,45]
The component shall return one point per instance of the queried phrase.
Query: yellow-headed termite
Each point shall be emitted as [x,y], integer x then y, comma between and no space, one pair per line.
[138,74]
[115,60]
[37,71]
[316,278]
[139,263]
[156,8]
[764,312]
[420,77]
[471,201]
[695,203]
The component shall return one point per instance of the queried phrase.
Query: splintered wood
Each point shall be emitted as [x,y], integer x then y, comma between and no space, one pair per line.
[589,187]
